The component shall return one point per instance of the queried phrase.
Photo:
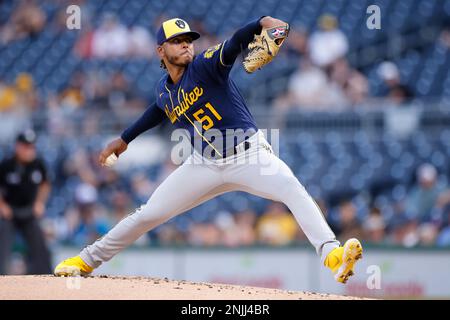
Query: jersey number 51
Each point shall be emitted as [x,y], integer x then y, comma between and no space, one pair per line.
[198,115]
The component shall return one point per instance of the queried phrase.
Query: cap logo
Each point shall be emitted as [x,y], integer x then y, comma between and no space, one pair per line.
[180,24]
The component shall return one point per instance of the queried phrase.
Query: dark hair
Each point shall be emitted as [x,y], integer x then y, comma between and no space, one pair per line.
[162,65]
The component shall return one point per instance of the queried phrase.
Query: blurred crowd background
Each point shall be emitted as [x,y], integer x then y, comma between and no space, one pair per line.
[364,115]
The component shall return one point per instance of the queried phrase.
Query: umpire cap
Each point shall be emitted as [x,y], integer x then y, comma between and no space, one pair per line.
[27,137]
[173,28]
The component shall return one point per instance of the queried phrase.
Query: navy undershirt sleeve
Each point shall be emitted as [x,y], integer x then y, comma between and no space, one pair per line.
[149,119]
[240,40]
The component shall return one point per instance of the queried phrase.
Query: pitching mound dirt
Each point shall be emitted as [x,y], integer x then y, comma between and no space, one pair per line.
[139,288]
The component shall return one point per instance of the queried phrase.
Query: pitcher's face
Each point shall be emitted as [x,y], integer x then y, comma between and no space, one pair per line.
[178,51]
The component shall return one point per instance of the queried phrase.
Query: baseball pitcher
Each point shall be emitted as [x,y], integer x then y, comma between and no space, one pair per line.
[229,152]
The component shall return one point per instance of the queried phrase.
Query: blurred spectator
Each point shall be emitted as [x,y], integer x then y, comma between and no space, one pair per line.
[78,165]
[110,39]
[121,206]
[27,97]
[21,97]
[121,97]
[14,112]
[28,19]
[403,231]
[348,225]
[238,229]
[428,233]
[204,234]
[309,88]
[356,87]
[328,43]
[226,223]
[410,233]
[393,89]
[396,229]
[442,208]
[353,82]
[83,165]
[141,43]
[98,90]
[443,238]
[72,97]
[375,227]
[246,223]
[444,38]
[83,48]
[424,195]
[277,226]
[169,235]
[297,46]
[59,124]
[85,222]
[8,96]
[141,187]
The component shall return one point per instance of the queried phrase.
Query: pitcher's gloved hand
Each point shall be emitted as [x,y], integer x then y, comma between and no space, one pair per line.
[266,45]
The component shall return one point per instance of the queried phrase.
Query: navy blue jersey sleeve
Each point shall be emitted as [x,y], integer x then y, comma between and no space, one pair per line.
[149,119]
[209,66]
[239,41]
[216,62]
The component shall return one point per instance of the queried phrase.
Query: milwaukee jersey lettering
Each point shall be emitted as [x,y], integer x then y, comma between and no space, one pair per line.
[205,97]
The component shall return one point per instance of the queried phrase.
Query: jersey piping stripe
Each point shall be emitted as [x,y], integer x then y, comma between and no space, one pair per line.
[206,140]
[196,129]
[178,96]
[171,101]
[220,55]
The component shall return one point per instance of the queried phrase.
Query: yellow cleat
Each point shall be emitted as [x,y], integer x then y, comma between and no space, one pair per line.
[72,267]
[342,260]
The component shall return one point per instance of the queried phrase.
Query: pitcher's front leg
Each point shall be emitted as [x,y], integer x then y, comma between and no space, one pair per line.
[282,185]
[182,189]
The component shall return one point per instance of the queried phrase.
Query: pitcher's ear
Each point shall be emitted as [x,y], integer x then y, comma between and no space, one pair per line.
[160,51]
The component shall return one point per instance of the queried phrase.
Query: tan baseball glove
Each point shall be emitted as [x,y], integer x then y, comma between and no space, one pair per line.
[264,47]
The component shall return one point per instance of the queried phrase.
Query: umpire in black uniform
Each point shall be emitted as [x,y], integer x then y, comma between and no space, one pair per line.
[24,189]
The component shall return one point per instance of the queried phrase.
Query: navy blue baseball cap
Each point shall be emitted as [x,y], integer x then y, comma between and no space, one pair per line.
[173,28]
